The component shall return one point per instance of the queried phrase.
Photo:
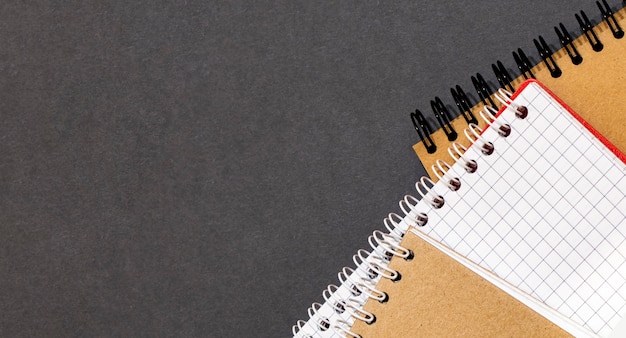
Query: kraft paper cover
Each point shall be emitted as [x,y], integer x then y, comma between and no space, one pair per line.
[439,297]
[595,89]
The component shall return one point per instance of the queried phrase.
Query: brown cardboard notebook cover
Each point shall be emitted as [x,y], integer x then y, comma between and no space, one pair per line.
[439,297]
[595,89]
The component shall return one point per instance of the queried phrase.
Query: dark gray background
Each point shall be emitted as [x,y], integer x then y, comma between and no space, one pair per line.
[195,168]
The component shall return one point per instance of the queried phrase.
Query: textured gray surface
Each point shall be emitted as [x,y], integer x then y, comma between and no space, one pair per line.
[185,168]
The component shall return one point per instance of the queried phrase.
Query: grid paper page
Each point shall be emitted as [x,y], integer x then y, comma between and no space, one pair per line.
[546,212]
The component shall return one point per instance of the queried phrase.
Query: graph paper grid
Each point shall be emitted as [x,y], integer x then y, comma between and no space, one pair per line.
[546,212]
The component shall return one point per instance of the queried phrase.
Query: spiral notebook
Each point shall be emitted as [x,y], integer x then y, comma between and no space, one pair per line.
[535,205]
[583,73]
[440,296]
[546,213]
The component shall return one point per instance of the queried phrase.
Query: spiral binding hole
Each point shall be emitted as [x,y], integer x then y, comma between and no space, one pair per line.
[374,293]
[420,218]
[373,269]
[504,97]
[472,166]
[566,41]
[358,288]
[322,322]
[454,183]
[340,307]
[380,241]
[380,247]
[355,290]
[487,148]
[387,256]
[607,15]
[338,304]
[457,152]
[504,130]
[369,269]
[410,256]
[367,317]
[587,28]
[358,313]
[384,299]
[488,114]
[546,56]
[425,190]
[439,202]
[404,203]
[384,253]
[473,135]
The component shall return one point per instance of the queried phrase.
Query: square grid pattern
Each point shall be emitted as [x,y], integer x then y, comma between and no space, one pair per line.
[546,212]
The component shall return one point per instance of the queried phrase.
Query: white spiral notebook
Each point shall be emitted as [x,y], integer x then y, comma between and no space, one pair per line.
[546,212]
[536,205]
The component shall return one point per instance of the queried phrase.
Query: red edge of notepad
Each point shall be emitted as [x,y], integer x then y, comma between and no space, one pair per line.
[595,133]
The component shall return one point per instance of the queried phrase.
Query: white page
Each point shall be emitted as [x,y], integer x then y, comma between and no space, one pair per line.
[556,317]
[546,212]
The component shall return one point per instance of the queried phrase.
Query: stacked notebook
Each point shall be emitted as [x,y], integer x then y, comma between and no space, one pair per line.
[521,229]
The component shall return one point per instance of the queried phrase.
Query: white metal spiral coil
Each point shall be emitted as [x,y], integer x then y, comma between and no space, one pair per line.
[344,303]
